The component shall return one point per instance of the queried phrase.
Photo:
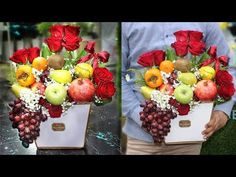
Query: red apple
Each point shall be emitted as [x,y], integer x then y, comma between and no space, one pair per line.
[167,88]
[81,90]
[38,86]
[206,90]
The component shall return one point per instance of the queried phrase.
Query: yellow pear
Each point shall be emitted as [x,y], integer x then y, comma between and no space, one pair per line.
[146,92]
[16,89]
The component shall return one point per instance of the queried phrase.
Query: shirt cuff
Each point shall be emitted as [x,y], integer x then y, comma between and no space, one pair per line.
[225,107]
[136,117]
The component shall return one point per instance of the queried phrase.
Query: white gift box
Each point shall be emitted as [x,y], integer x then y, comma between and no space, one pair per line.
[66,132]
[188,129]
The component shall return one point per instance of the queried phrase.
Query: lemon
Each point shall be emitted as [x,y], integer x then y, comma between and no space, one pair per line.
[84,70]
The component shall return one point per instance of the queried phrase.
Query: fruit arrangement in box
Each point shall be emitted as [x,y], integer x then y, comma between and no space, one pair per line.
[48,81]
[177,80]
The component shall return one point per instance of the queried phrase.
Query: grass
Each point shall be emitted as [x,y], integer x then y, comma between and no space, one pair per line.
[222,142]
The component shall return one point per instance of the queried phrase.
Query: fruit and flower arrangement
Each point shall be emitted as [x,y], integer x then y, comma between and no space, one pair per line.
[177,80]
[48,81]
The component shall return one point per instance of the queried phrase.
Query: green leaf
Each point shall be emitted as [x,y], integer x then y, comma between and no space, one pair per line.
[45,51]
[81,54]
[170,53]
[74,54]
[203,58]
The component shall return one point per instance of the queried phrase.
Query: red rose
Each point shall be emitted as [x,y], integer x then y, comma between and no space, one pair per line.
[54,44]
[57,31]
[103,56]
[195,36]
[151,58]
[183,109]
[55,111]
[196,48]
[72,30]
[102,75]
[223,77]
[90,46]
[188,41]
[71,42]
[33,53]
[20,56]
[181,48]
[181,36]
[63,36]
[105,90]
[226,91]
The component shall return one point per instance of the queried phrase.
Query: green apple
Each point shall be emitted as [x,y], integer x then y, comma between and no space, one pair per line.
[187,78]
[183,94]
[146,92]
[16,89]
[55,94]
[61,76]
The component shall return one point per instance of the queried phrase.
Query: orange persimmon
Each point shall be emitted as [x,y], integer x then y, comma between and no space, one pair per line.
[153,78]
[167,66]
[24,76]
[40,63]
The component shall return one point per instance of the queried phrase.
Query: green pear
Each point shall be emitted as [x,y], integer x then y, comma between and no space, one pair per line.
[16,89]
[187,78]
[146,92]
[61,76]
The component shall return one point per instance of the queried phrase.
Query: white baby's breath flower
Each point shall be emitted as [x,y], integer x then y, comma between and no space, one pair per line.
[30,99]
[165,76]
[161,99]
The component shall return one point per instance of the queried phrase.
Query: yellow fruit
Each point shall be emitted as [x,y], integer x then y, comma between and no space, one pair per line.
[16,89]
[146,92]
[24,76]
[167,66]
[40,63]
[207,72]
[153,78]
[84,70]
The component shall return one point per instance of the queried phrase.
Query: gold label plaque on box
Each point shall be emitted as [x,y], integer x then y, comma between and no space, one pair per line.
[58,126]
[185,123]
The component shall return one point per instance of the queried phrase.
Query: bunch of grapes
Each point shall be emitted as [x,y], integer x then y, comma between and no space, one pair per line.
[44,76]
[172,78]
[25,121]
[155,120]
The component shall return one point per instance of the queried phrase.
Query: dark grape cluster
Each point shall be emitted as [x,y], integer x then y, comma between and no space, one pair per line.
[155,120]
[44,76]
[172,78]
[25,121]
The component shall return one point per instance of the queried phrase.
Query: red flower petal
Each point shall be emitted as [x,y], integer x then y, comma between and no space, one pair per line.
[196,48]
[181,36]
[54,44]
[57,31]
[195,36]
[71,43]
[183,109]
[55,111]
[33,52]
[151,58]
[181,48]
[20,56]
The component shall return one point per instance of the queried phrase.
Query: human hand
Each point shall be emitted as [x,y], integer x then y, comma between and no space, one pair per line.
[217,121]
